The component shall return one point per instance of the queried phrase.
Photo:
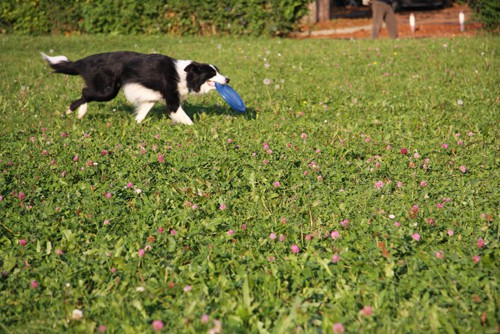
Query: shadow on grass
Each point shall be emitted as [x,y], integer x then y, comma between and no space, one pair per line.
[195,110]
[158,111]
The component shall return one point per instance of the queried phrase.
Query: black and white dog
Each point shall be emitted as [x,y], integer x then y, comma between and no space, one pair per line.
[145,79]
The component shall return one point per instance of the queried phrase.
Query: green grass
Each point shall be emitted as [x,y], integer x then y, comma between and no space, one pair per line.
[329,128]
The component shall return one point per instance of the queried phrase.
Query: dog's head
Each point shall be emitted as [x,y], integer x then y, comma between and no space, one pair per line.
[201,78]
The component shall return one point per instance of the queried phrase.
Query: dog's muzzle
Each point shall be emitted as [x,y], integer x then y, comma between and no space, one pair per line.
[211,83]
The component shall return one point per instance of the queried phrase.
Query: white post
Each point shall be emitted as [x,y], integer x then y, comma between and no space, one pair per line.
[461,19]
[412,23]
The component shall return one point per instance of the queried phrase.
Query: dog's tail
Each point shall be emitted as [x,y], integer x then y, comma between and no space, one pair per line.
[60,64]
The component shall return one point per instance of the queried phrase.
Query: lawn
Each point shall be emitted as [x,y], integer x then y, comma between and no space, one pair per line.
[358,193]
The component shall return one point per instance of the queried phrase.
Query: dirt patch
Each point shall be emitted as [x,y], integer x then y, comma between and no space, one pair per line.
[355,22]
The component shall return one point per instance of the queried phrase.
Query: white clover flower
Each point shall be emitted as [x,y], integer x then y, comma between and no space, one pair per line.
[77,314]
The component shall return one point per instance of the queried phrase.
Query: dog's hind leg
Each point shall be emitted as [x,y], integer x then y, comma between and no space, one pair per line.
[142,110]
[81,102]
[89,95]
[82,110]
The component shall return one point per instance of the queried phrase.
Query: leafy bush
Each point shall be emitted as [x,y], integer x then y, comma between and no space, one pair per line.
[39,17]
[122,17]
[488,11]
[177,17]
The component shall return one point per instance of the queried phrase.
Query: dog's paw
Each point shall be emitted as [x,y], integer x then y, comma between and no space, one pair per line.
[181,117]
[68,111]
[82,110]
[182,121]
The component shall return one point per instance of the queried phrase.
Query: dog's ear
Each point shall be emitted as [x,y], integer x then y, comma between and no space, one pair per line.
[192,68]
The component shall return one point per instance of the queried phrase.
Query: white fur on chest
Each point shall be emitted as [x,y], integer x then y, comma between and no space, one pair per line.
[182,87]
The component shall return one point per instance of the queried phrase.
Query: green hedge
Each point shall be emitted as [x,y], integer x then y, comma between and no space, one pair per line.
[488,12]
[176,17]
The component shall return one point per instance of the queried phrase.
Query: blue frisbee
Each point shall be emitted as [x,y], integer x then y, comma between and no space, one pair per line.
[232,98]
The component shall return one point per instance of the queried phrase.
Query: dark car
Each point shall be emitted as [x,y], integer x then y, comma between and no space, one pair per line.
[403,4]
[400,4]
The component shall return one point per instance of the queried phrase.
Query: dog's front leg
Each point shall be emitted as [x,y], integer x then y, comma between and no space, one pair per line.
[174,108]
[180,116]
[177,114]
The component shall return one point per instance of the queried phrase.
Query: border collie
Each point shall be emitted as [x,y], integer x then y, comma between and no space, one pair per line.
[145,79]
